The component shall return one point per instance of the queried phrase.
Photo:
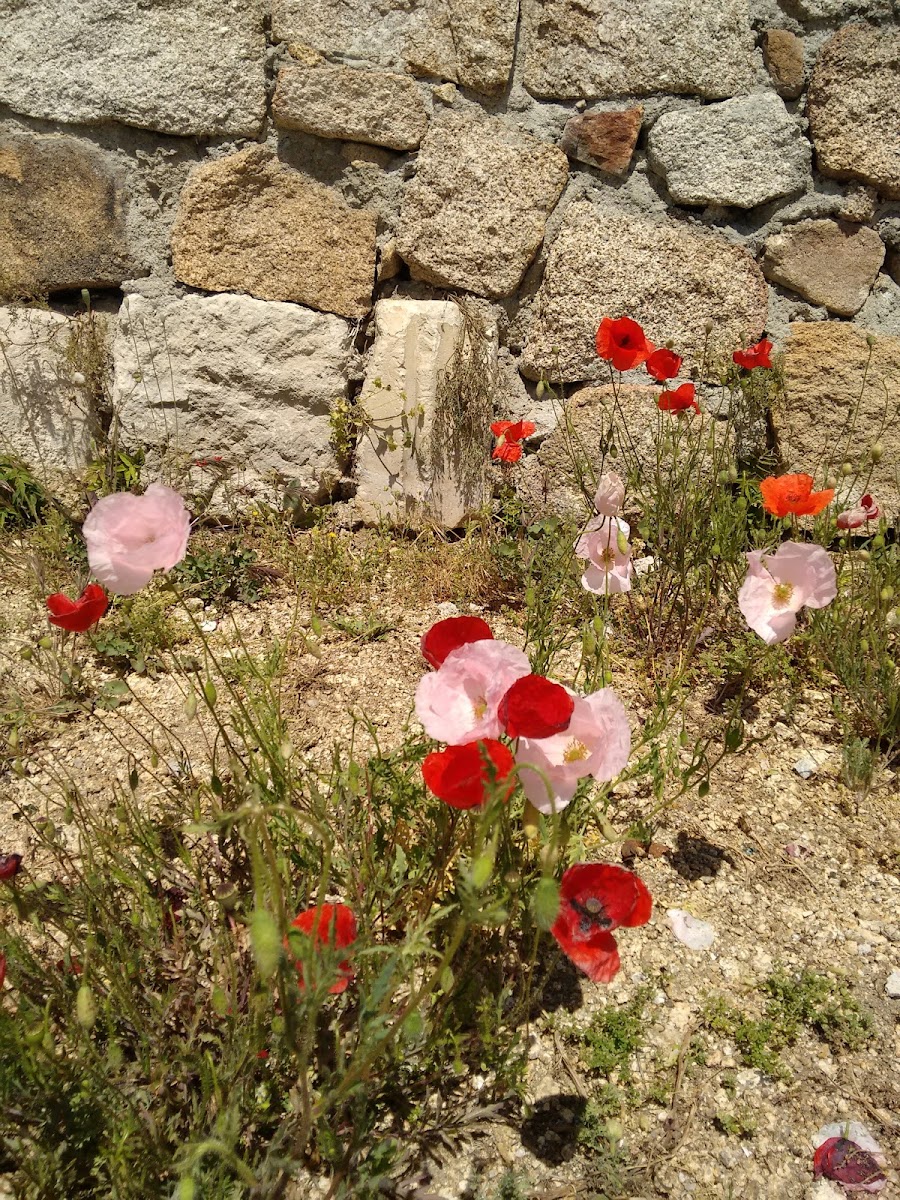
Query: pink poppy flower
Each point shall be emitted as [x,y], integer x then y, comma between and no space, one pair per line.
[610,495]
[597,742]
[458,702]
[595,899]
[866,510]
[129,537]
[604,544]
[778,585]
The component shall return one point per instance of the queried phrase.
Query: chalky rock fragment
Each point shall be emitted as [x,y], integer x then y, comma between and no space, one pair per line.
[235,391]
[414,464]
[47,415]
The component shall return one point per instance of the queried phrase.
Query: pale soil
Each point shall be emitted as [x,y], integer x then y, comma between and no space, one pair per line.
[835,911]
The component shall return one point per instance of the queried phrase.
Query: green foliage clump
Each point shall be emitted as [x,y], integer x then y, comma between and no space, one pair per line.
[23,501]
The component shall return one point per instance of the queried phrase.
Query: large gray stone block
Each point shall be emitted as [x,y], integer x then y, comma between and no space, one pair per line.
[586,49]
[184,69]
[741,153]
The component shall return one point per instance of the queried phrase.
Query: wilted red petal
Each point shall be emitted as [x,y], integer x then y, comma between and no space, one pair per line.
[77,616]
[623,343]
[598,957]
[683,397]
[535,707]
[451,633]
[507,451]
[843,1161]
[10,866]
[460,776]
[663,364]
[757,355]
[328,924]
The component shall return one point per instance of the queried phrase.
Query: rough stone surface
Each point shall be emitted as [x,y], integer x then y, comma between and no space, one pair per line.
[671,277]
[474,216]
[827,262]
[860,204]
[854,106]
[825,365]
[783,55]
[404,470]
[184,69]
[340,102]
[247,223]
[881,312]
[230,377]
[549,483]
[46,419]
[742,152]
[62,216]
[603,48]
[603,139]
[468,41]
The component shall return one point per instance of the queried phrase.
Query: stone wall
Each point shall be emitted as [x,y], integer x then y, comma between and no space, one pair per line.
[244,185]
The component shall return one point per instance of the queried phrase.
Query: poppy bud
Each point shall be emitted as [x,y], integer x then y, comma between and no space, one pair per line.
[187,1189]
[877,452]
[870,340]
[733,473]
[26,654]
[266,942]
[540,389]
[709,325]
[863,555]
[887,593]
[877,542]
[864,645]
[190,706]
[892,619]
[846,469]
[85,1007]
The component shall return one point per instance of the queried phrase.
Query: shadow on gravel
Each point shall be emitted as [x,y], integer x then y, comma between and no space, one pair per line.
[551,1132]
[695,857]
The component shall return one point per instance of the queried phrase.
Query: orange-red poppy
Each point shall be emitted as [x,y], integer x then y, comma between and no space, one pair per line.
[623,343]
[792,495]
[509,434]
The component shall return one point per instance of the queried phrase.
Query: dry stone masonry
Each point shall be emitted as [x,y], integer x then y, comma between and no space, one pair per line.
[276,204]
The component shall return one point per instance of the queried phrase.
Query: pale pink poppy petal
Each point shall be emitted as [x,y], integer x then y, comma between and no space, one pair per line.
[756,602]
[458,702]
[808,569]
[604,545]
[129,537]
[610,495]
[547,789]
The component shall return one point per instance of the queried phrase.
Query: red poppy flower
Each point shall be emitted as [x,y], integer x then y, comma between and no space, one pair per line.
[663,364]
[842,1160]
[450,634]
[683,397]
[461,775]
[509,434]
[329,925]
[756,355]
[784,495]
[77,616]
[10,866]
[622,343]
[594,899]
[535,707]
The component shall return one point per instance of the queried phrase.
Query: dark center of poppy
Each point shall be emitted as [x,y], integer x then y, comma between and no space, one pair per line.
[793,497]
[592,915]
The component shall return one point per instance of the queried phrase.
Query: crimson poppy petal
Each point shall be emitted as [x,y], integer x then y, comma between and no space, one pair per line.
[77,616]
[535,707]
[328,924]
[451,633]
[842,1160]
[10,866]
[460,776]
